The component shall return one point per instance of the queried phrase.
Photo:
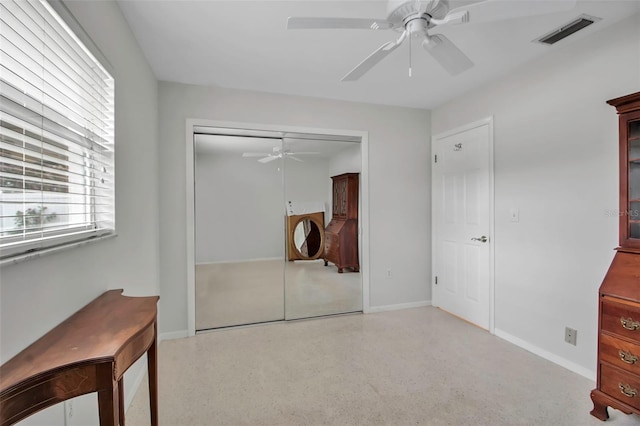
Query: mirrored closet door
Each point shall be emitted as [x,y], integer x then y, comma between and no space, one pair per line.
[239,231]
[314,287]
[263,201]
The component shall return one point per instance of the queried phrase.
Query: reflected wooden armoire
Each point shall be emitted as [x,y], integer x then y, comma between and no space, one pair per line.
[341,235]
[618,374]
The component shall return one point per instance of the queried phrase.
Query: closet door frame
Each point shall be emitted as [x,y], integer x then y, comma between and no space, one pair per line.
[363,231]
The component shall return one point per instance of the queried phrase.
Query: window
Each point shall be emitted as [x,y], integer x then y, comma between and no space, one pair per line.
[56,133]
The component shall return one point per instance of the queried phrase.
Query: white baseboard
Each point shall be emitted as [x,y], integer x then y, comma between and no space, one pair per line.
[398,306]
[173,335]
[569,365]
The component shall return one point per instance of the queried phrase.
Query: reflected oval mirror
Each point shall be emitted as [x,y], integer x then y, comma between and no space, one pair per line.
[307,238]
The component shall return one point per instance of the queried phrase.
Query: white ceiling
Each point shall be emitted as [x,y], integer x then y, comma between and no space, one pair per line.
[245,45]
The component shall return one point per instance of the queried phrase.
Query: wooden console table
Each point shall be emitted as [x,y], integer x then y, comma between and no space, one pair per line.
[88,352]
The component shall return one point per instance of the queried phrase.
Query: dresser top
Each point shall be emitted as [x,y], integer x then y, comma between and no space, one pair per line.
[623,277]
[343,175]
[626,103]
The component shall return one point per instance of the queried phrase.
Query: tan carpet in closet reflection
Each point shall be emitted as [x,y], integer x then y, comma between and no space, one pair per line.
[250,292]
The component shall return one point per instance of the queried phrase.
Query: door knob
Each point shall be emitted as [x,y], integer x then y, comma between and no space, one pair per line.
[482,239]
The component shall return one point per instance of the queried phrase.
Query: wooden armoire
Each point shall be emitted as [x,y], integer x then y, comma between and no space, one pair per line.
[618,377]
[341,235]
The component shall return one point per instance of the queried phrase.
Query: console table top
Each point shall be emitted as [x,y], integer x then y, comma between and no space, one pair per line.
[94,334]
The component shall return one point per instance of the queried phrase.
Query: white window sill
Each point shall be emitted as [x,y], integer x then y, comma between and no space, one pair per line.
[36,254]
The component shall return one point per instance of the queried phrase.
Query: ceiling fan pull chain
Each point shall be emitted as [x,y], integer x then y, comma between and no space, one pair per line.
[410,62]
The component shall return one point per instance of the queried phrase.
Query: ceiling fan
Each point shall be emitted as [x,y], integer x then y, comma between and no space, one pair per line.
[278,152]
[415,18]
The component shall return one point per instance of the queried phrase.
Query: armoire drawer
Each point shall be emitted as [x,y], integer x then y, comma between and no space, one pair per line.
[618,384]
[621,319]
[332,246]
[620,353]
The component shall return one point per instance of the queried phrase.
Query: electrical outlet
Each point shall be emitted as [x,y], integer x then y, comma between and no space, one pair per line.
[570,336]
[388,273]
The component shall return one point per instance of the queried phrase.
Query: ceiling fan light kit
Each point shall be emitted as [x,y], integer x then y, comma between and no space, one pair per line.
[415,18]
[267,157]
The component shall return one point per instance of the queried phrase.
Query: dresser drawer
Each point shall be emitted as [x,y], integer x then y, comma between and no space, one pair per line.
[623,320]
[332,247]
[331,241]
[620,385]
[620,353]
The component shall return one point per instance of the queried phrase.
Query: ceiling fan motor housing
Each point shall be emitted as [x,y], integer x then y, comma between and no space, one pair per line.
[403,12]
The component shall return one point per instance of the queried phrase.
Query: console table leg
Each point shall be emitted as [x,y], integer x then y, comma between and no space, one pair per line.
[121,400]
[108,406]
[152,365]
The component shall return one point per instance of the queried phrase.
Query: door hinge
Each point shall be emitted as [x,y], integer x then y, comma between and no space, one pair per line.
[436,280]
[435,158]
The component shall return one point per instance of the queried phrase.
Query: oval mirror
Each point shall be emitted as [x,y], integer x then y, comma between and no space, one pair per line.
[308,239]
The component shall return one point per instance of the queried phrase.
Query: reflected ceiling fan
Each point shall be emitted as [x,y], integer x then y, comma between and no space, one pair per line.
[278,152]
[414,19]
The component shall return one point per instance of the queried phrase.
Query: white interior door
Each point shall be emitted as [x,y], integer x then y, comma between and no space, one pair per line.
[462,223]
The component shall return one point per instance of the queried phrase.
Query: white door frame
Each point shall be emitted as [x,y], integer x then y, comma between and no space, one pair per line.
[434,139]
[190,201]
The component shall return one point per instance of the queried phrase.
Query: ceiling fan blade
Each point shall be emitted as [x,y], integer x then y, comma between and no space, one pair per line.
[447,54]
[373,59]
[295,158]
[268,159]
[304,153]
[498,10]
[302,23]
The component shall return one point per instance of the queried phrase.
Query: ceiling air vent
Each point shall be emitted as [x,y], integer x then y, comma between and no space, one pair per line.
[566,30]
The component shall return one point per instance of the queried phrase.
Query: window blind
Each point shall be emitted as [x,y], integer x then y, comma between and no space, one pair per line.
[56,133]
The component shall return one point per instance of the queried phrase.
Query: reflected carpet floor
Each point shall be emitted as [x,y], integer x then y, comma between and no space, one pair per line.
[237,293]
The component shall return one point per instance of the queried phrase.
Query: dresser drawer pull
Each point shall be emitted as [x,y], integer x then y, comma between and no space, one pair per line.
[630,324]
[628,357]
[626,390]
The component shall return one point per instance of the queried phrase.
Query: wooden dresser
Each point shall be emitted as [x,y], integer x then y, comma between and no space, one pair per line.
[341,235]
[618,379]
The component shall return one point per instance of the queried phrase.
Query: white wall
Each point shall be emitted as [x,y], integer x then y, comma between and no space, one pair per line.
[349,161]
[556,160]
[398,168]
[38,294]
[310,181]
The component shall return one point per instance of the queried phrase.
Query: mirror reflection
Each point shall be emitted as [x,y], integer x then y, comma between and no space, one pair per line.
[307,238]
[259,256]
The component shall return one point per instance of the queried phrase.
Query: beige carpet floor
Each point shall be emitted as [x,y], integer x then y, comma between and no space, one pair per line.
[411,367]
[229,294]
